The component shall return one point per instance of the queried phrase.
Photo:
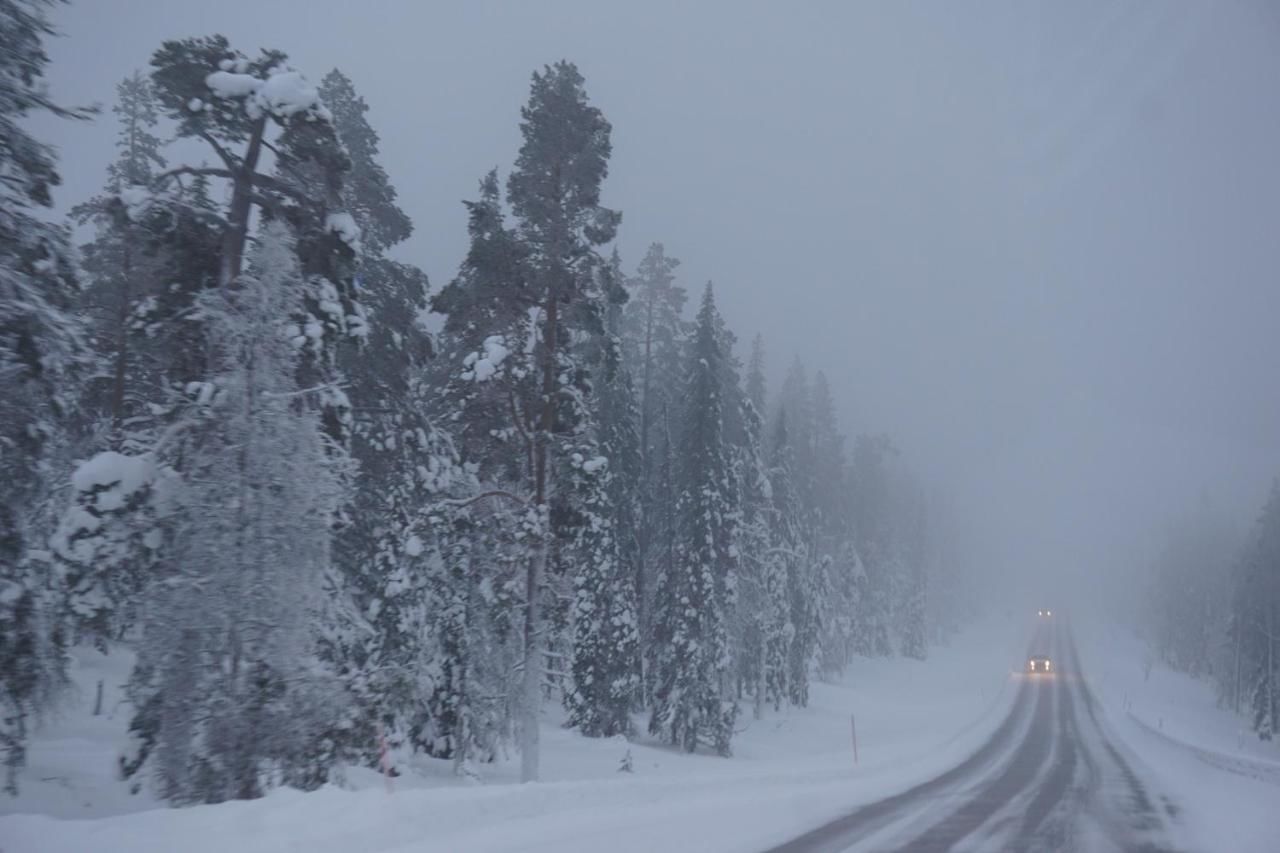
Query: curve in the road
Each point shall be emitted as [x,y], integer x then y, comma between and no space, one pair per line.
[1049,778]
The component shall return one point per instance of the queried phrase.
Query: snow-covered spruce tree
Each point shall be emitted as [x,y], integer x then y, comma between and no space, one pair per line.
[388,552]
[757,609]
[109,542]
[913,548]
[1187,601]
[228,696]
[756,384]
[873,525]
[40,352]
[473,625]
[118,260]
[837,565]
[605,654]
[832,514]
[796,639]
[693,674]
[1256,618]
[604,664]
[795,397]
[101,539]
[653,331]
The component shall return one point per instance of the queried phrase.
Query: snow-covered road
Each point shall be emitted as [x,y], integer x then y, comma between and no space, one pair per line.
[1052,777]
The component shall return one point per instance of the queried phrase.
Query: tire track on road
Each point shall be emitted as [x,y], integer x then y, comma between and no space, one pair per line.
[1142,826]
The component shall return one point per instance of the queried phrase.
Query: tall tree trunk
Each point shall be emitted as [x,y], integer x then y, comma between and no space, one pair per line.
[646,512]
[1271,670]
[1235,699]
[532,681]
[241,207]
[122,338]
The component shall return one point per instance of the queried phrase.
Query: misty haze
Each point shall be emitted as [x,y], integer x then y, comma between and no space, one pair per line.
[615,427]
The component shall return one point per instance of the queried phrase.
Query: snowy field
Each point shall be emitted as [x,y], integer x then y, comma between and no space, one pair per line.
[1226,781]
[790,771]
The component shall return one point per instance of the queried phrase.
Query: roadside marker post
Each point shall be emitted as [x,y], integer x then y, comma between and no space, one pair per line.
[853,728]
[383,761]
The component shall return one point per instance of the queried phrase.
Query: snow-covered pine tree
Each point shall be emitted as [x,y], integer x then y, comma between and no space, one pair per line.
[241,109]
[227,694]
[522,299]
[367,193]
[41,350]
[554,192]
[693,684]
[486,376]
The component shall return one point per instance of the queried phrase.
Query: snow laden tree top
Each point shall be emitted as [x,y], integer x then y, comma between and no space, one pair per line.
[555,188]
[234,103]
[368,194]
[258,112]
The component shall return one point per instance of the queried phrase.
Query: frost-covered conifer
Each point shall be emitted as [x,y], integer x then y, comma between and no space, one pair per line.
[41,350]
[693,686]
[229,699]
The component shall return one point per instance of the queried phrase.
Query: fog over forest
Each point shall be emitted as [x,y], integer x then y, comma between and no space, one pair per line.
[457,392]
[1033,243]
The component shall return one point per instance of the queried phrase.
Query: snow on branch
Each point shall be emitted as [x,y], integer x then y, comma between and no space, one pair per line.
[283,93]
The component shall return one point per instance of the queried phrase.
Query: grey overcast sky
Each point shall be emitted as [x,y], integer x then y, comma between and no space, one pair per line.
[1038,243]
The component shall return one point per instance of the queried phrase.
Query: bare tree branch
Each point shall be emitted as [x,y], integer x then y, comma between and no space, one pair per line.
[493,493]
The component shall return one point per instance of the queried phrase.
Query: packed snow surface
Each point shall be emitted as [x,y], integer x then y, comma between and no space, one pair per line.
[790,771]
[1225,781]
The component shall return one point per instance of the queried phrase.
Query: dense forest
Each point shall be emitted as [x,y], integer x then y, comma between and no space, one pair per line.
[1211,607]
[328,503]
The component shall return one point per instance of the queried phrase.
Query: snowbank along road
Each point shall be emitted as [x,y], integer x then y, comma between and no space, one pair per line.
[1050,779]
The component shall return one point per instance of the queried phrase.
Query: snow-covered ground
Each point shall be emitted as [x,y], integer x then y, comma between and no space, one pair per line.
[1225,781]
[790,771]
